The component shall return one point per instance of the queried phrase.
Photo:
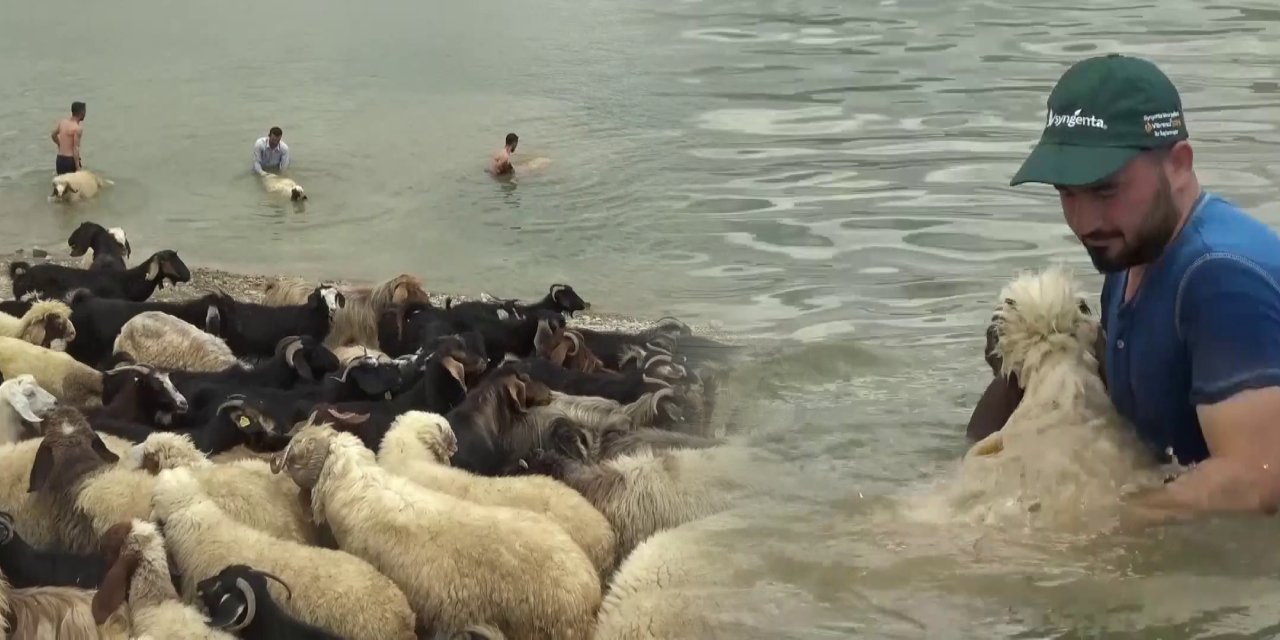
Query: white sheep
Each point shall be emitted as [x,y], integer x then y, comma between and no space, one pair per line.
[1065,450]
[138,574]
[418,446]
[22,398]
[86,260]
[88,490]
[331,589]
[167,342]
[47,324]
[282,186]
[647,491]
[459,563]
[69,380]
[77,185]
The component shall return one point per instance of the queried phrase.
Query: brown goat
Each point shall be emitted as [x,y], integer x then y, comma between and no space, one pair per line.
[356,323]
[565,347]
[491,436]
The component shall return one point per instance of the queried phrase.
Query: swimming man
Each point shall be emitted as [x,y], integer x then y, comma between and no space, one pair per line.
[66,135]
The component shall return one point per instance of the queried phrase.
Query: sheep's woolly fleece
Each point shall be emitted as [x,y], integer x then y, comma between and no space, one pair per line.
[249,288]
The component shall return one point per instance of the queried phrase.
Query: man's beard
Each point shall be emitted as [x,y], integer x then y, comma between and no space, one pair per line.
[1158,227]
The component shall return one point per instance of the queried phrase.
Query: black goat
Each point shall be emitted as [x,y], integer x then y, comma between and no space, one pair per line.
[491,436]
[625,387]
[16,308]
[98,321]
[239,602]
[262,327]
[26,566]
[108,252]
[560,298]
[425,323]
[297,360]
[137,284]
[447,371]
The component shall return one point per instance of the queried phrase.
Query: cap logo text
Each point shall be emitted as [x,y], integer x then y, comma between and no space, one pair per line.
[1161,125]
[1072,120]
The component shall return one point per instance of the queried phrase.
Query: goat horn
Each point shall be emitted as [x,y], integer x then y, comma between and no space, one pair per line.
[577,341]
[288,591]
[250,601]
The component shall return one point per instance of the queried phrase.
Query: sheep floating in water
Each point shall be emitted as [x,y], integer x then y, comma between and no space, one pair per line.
[77,185]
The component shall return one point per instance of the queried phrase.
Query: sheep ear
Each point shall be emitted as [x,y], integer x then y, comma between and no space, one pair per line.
[995,406]
[19,403]
[41,468]
[100,448]
[114,589]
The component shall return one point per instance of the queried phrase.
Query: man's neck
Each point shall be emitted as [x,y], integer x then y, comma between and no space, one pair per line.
[1185,200]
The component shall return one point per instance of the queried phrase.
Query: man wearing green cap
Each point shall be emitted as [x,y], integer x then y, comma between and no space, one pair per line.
[1191,299]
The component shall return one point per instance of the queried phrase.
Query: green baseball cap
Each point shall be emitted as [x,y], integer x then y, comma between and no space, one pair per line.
[1104,111]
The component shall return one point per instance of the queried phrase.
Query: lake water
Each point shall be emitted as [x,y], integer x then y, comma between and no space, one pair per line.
[829,176]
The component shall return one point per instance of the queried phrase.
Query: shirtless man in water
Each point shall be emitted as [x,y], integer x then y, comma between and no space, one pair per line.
[501,163]
[66,134]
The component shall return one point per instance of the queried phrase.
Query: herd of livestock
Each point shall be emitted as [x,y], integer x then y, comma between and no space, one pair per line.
[338,462]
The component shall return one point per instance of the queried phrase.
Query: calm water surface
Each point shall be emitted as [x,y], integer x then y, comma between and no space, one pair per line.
[829,176]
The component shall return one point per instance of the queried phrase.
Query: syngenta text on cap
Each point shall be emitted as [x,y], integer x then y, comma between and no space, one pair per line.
[1073,119]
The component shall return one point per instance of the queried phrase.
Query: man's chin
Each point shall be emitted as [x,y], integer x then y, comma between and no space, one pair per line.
[1104,263]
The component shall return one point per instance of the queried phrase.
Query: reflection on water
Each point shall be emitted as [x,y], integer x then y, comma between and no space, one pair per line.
[829,178]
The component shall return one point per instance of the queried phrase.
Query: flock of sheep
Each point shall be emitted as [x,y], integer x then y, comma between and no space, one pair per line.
[338,462]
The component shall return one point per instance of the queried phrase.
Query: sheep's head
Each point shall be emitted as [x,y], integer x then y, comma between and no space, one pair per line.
[124,546]
[1040,315]
[27,397]
[83,238]
[48,324]
[165,266]
[166,450]
[233,595]
[297,193]
[402,289]
[61,188]
[567,300]
[309,358]
[303,459]
[69,450]
[430,430]
[150,391]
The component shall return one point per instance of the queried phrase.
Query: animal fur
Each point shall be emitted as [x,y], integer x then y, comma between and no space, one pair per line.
[166,342]
[457,561]
[356,322]
[1064,450]
[418,447]
[70,381]
[281,186]
[41,613]
[47,324]
[78,185]
[331,589]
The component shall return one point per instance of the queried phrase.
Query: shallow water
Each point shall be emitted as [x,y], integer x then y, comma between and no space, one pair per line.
[831,176]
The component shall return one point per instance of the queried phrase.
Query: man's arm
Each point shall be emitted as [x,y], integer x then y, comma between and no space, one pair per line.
[257,159]
[1229,317]
[284,157]
[54,134]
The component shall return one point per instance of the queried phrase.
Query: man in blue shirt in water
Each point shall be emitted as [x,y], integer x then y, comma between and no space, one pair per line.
[1191,300]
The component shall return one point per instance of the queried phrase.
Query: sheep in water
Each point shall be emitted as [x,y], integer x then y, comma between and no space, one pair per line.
[1056,444]
[78,185]
[282,186]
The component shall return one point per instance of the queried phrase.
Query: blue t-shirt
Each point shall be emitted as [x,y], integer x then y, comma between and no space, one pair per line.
[1204,324]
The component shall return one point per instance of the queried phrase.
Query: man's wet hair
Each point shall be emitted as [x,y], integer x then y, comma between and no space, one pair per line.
[77,108]
[277,132]
[512,139]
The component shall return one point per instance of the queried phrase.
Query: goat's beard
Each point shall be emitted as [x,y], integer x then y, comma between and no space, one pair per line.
[1158,227]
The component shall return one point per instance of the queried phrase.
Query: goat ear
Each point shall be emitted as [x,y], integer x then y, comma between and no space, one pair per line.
[41,468]
[995,406]
[560,353]
[515,388]
[299,361]
[114,589]
[455,369]
[100,448]
[153,268]
[544,338]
